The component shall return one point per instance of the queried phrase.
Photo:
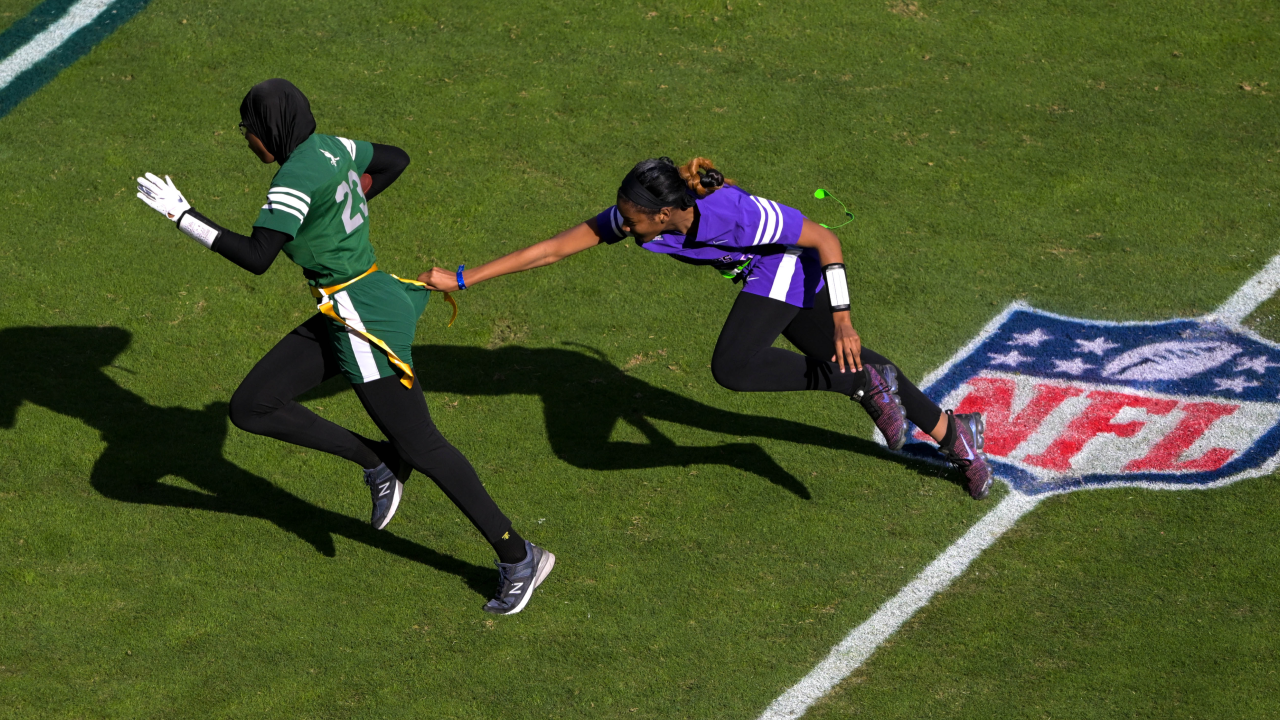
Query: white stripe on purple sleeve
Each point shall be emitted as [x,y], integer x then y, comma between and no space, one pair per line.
[778,210]
[760,227]
[615,217]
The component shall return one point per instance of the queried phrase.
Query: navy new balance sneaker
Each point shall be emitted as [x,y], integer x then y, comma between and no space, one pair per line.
[966,452]
[879,397]
[517,581]
[386,490]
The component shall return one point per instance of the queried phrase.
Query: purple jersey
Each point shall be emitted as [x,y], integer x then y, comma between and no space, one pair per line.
[735,227]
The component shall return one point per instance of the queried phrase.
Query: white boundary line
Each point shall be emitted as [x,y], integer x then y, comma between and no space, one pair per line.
[50,39]
[859,644]
[863,640]
[1257,290]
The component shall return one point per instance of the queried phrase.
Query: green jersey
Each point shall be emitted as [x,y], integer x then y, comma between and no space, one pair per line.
[316,198]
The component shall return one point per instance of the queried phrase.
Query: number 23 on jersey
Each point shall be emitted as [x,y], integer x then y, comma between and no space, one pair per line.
[350,191]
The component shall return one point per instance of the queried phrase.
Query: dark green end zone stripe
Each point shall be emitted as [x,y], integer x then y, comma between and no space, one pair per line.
[76,46]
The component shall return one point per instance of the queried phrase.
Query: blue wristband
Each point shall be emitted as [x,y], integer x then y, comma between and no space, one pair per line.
[461,285]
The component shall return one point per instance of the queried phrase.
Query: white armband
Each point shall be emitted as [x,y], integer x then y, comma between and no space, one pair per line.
[203,232]
[837,286]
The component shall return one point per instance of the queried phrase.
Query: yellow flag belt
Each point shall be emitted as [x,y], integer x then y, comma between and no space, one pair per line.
[325,306]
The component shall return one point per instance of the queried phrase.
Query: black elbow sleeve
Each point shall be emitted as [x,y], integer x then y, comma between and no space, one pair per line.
[386,165]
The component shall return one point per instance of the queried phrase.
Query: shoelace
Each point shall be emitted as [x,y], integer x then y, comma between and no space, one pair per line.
[503,572]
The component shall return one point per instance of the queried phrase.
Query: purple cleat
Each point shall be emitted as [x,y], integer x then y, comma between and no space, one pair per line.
[966,453]
[879,397]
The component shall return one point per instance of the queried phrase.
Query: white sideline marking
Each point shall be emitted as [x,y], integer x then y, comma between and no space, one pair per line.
[859,644]
[1257,290]
[78,15]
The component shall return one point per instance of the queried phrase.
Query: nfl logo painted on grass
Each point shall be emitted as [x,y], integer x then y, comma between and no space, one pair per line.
[1072,404]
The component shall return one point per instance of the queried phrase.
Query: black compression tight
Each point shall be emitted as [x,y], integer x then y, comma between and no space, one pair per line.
[264,404]
[745,359]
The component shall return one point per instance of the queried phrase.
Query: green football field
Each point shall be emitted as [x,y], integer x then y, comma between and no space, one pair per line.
[1114,161]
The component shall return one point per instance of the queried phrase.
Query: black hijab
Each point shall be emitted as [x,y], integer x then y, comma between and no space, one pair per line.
[279,115]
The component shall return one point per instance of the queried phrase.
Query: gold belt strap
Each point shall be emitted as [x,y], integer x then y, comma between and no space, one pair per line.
[447,297]
[325,306]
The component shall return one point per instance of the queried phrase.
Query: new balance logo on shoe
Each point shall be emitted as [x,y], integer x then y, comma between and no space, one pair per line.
[515,588]
[385,489]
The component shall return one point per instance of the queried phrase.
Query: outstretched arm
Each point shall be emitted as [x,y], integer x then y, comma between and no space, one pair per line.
[848,344]
[254,253]
[574,240]
[258,250]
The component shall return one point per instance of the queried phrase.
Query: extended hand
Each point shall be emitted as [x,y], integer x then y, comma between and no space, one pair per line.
[848,344]
[440,279]
[162,196]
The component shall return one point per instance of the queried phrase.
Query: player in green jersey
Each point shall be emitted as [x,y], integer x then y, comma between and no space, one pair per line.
[317,213]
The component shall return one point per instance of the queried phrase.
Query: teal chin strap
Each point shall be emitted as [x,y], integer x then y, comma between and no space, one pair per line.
[820,194]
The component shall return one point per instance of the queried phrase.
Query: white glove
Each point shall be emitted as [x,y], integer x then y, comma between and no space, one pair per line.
[162,196]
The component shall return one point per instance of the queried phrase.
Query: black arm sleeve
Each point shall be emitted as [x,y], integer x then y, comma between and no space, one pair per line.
[386,165]
[254,252]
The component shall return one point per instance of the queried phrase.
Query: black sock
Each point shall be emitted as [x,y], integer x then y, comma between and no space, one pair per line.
[949,438]
[510,547]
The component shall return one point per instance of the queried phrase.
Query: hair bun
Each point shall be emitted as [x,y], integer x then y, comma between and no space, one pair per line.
[712,179]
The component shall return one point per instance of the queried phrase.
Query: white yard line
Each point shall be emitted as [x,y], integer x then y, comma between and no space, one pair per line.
[1253,293]
[39,47]
[859,644]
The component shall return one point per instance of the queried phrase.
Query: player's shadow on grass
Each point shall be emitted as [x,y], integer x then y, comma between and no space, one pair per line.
[584,396]
[62,369]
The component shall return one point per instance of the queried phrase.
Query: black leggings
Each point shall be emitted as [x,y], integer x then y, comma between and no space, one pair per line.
[264,404]
[745,359]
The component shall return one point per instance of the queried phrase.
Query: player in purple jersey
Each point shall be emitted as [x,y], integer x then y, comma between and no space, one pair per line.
[793,284]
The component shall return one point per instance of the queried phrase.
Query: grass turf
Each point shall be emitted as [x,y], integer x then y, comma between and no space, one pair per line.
[1096,160]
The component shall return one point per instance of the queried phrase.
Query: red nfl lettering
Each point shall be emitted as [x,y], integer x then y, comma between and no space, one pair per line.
[1196,420]
[1048,425]
[993,397]
[1094,421]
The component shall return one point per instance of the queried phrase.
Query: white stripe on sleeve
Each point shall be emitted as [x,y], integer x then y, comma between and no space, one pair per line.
[280,188]
[760,227]
[777,210]
[350,145]
[615,217]
[768,228]
[275,206]
[786,270]
[290,200]
[359,346]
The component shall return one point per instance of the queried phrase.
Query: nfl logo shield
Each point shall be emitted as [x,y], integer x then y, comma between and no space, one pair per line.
[1072,404]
